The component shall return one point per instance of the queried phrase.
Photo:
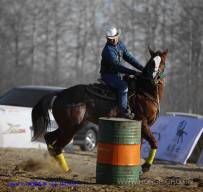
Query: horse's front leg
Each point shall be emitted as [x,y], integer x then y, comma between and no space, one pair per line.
[148,136]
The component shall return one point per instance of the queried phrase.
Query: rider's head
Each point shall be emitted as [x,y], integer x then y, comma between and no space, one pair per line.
[112,35]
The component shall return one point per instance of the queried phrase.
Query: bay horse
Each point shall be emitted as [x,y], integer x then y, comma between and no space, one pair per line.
[74,106]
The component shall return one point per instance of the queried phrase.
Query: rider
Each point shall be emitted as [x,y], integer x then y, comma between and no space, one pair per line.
[112,67]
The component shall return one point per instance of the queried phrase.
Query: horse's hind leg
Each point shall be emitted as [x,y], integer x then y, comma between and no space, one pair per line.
[69,120]
[148,136]
[50,137]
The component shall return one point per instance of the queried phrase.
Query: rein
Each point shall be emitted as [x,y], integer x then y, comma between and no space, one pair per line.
[155,101]
[148,96]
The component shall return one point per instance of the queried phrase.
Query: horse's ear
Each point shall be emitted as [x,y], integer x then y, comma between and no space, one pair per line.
[165,53]
[150,51]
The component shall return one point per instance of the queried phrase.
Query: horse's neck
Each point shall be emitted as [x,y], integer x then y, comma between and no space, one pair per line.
[155,91]
[147,86]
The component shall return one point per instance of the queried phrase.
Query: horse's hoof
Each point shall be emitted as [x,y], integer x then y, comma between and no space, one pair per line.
[145,167]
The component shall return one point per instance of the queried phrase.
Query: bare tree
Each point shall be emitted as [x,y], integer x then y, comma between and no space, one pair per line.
[59,42]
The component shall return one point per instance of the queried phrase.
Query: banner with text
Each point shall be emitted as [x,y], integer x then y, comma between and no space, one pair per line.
[176,136]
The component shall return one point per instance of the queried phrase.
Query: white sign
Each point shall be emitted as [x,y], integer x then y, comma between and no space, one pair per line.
[176,136]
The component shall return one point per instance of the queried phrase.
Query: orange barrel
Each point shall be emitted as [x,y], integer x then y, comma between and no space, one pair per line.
[118,151]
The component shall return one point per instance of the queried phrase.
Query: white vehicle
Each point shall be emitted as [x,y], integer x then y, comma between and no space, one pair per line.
[15,112]
[16,124]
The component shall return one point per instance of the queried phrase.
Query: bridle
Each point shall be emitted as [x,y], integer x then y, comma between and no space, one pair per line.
[160,75]
[157,81]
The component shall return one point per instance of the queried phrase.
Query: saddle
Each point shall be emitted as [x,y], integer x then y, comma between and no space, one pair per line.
[102,90]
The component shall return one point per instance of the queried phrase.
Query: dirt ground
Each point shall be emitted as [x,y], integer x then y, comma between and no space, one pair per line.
[34,170]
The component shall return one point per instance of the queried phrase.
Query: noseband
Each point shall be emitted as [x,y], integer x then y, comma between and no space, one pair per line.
[160,75]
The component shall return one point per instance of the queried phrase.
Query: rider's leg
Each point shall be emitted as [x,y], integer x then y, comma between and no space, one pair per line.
[122,89]
[123,96]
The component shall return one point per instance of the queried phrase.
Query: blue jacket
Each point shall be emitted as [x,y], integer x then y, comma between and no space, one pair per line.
[111,60]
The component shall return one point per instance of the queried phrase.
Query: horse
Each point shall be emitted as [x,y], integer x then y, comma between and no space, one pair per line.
[74,106]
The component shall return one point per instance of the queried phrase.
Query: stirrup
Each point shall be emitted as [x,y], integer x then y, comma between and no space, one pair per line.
[127,115]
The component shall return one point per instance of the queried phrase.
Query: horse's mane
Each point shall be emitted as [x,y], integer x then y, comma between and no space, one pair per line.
[142,85]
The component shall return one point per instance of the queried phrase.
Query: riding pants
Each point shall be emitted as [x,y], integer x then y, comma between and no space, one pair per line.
[120,86]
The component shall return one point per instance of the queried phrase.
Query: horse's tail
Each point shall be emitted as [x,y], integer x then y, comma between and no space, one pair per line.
[40,115]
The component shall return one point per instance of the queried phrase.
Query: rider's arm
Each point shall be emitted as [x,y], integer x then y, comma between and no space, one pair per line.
[121,69]
[116,64]
[130,59]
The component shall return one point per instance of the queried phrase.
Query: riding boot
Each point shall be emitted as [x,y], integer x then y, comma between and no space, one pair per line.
[126,115]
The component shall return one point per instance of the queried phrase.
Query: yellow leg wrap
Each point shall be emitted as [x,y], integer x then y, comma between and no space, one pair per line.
[151,156]
[62,162]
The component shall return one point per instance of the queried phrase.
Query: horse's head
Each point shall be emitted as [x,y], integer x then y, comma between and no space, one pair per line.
[152,75]
[155,67]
